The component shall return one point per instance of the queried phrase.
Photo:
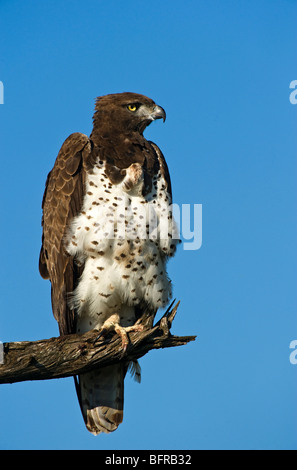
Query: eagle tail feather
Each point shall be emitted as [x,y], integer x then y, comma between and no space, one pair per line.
[101,396]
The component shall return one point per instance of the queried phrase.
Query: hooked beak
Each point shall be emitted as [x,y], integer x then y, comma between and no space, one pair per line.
[158,113]
[148,115]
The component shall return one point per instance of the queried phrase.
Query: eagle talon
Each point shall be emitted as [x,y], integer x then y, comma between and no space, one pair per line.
[102,333]
[112,324]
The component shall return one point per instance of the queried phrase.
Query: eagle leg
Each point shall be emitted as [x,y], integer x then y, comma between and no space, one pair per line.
[113,324]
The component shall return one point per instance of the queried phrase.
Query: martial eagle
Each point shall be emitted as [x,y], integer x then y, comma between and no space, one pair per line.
[104,246]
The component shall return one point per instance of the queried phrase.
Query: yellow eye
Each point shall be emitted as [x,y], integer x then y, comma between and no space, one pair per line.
[132,107]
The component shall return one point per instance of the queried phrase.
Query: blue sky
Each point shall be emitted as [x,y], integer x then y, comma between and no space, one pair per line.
[222,71]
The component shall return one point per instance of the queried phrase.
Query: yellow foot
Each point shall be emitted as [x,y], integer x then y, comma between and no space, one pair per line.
[113,324]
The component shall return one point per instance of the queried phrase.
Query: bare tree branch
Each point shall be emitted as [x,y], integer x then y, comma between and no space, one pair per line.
[73,354]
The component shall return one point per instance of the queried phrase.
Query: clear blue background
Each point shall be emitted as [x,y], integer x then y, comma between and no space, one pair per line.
[221,69]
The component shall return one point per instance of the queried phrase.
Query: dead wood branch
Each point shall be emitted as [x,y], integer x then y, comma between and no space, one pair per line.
[73,354]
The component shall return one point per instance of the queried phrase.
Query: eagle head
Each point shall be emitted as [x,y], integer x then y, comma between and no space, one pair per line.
[125,113]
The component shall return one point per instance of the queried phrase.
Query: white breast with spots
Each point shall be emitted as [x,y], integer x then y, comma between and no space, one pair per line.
[124,240]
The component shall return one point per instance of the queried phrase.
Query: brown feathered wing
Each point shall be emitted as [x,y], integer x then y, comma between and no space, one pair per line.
[62,201]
